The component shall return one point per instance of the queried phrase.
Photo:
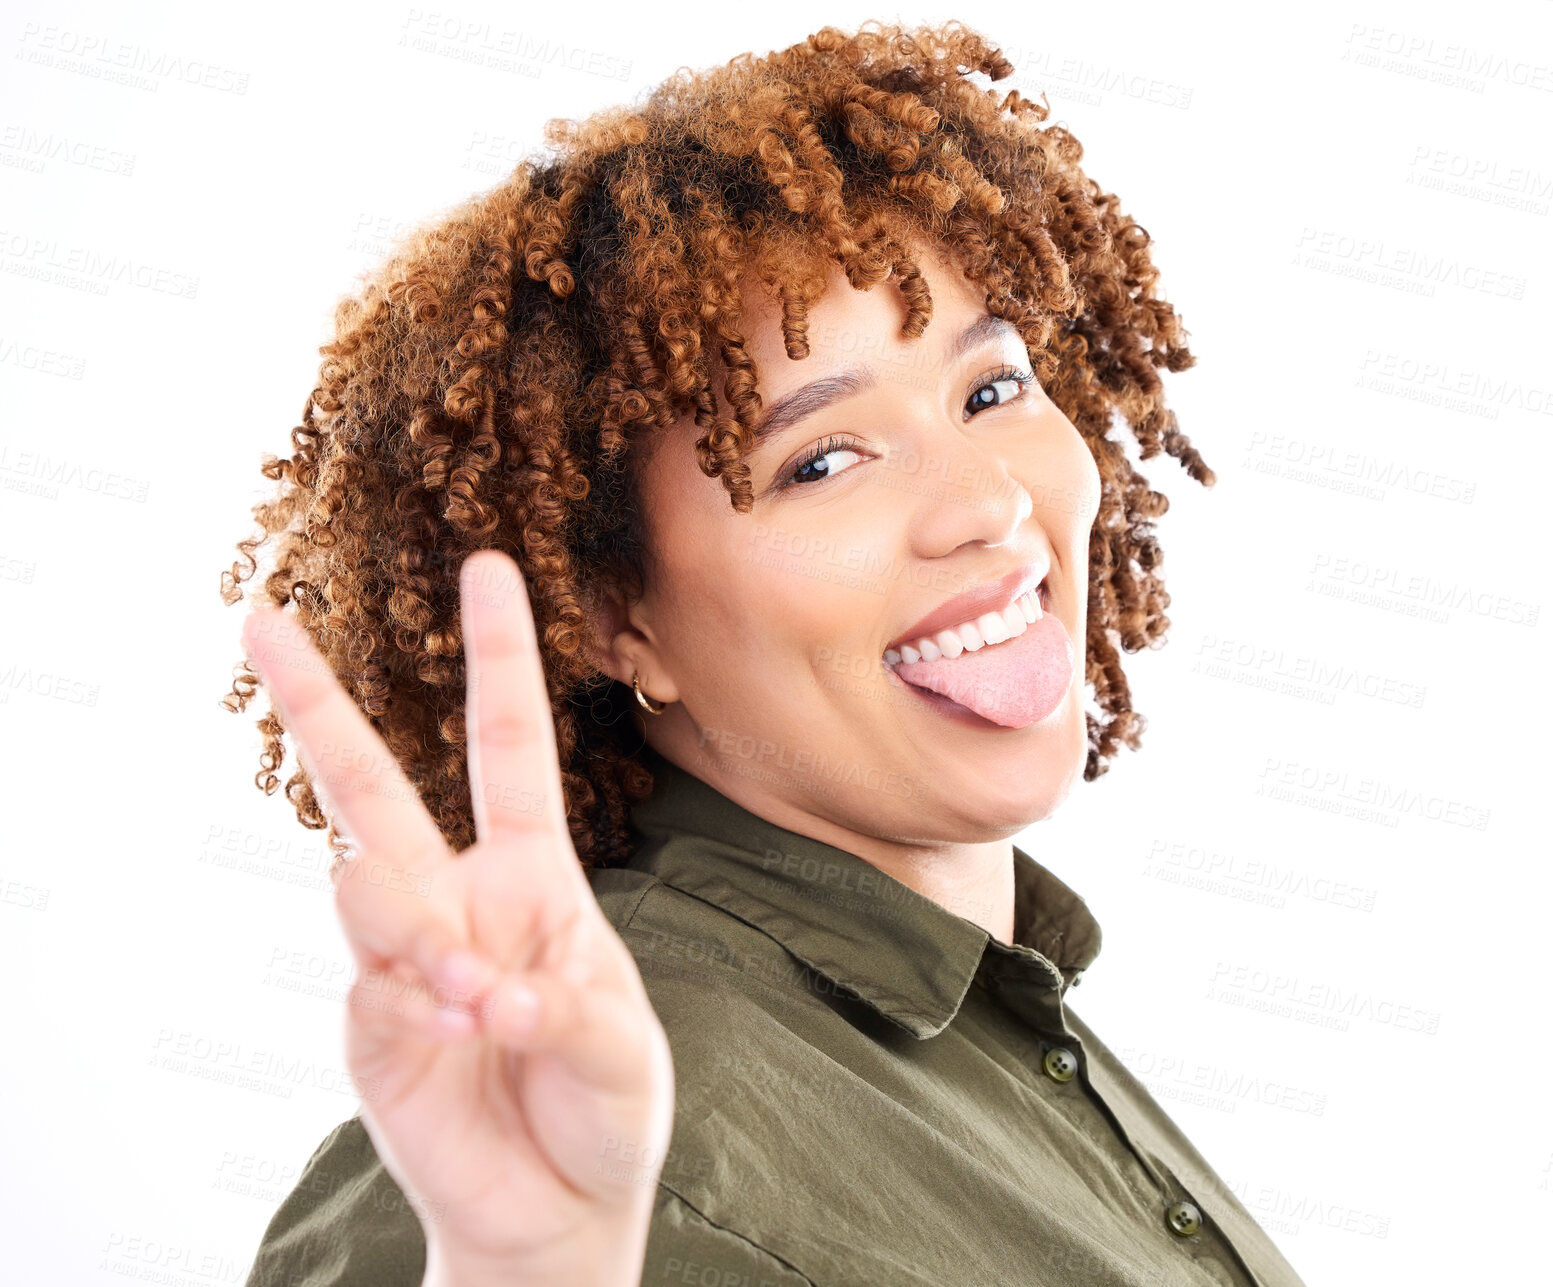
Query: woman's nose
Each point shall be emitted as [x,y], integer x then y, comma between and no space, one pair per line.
[965,493]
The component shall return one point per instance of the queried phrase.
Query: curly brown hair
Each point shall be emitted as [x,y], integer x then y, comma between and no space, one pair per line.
[473,396]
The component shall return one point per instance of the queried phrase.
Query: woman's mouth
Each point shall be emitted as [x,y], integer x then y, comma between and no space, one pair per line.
[986,673]
[940,704]
[971,635]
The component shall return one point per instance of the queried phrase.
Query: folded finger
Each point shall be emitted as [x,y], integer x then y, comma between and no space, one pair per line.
[388,1005]
[599,1033]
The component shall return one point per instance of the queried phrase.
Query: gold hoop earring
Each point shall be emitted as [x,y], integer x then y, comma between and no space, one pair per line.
[644,701]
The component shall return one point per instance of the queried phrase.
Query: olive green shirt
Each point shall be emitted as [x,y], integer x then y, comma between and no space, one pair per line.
[870,1090]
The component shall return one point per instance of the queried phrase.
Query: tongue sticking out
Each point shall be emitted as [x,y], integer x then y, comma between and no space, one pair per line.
[1013,683]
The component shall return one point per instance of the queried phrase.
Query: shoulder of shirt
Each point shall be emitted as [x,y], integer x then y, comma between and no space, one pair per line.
[679,939]
[619,891]
[684,1244]
[738,1009]
[347,1223]
[639,903]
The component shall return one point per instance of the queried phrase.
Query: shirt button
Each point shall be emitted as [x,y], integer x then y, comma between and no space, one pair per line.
[1183,1218]
[1059,1063]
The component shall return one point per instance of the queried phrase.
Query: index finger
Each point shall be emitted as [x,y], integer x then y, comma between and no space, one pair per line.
[377,807]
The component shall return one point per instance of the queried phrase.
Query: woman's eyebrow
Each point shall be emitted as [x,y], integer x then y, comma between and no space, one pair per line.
[815,396]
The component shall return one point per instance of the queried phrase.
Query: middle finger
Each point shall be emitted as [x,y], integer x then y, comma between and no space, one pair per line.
[514,771]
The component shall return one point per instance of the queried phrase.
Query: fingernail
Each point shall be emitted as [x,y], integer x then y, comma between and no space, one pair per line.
[466,971]
[254,625]
[456,1022]
[523,1002]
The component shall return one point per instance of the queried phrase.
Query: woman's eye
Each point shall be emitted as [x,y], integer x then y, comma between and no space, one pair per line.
[817,456]
[1008,378]
[1012,381]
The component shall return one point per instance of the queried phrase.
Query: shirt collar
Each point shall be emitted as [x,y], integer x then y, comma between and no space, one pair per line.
[908,957]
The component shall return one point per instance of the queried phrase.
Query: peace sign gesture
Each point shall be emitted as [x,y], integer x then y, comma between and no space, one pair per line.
[515,1057]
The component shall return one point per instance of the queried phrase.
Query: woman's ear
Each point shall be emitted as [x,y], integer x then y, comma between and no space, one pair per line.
[608,635]
[616,647]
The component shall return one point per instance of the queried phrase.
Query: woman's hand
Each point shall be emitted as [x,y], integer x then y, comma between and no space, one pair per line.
[522,1088]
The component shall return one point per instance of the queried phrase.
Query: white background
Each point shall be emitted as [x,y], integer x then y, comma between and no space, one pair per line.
[1331,978]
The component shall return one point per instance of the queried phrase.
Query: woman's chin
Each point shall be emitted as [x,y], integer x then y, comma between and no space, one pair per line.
[1016,791]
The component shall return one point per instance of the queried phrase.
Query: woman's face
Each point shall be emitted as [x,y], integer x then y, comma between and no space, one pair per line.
[767,633]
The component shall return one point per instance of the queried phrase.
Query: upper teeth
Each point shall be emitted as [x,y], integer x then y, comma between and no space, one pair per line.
[989,628]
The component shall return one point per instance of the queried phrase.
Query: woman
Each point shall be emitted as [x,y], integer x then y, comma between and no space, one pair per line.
[765,429]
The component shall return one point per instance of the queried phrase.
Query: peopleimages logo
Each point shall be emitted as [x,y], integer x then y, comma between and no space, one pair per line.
[1231,871]
[1327,1005]
[744,749]
[1217,1088]
[1410,269]
[1335,791]
[25,255]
